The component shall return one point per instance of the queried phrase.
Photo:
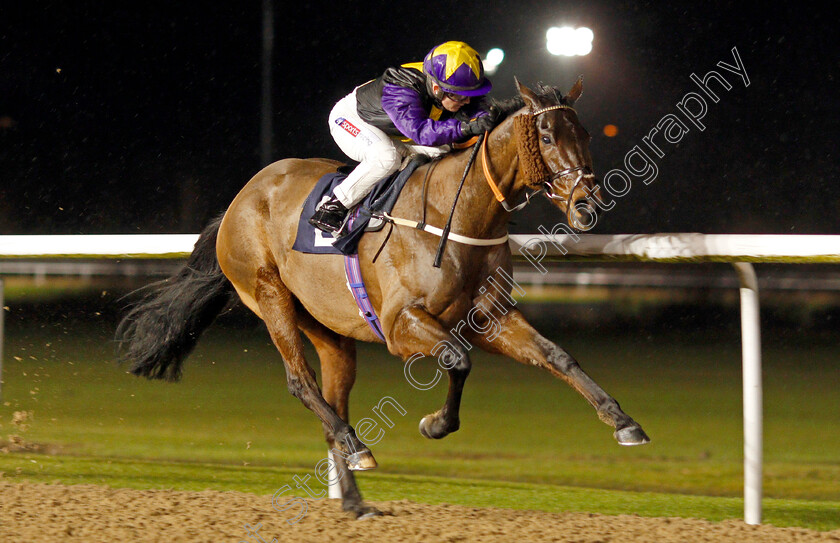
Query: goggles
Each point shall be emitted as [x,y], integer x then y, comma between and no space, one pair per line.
[457,98]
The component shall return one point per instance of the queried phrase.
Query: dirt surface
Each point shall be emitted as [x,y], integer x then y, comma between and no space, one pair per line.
[39,512]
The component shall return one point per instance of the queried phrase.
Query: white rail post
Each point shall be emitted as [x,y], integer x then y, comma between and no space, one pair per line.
[753,423]
[334,488]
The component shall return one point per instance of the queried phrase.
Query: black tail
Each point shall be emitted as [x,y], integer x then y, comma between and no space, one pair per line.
[162,328]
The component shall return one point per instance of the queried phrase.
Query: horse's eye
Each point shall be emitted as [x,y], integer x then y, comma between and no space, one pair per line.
[546,139]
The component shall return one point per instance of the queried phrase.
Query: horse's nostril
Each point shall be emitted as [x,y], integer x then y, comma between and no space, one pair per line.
[584,205]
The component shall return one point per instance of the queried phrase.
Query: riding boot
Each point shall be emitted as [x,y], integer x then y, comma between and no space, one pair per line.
[329,216]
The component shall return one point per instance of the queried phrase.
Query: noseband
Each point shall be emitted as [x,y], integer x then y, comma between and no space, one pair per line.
[586,173]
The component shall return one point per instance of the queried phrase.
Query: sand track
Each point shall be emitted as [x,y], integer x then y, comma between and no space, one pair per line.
[40,512]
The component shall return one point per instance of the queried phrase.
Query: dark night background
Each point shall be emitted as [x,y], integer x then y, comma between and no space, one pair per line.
[126,117]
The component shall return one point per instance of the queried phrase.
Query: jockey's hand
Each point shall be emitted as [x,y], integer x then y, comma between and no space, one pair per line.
[477,126]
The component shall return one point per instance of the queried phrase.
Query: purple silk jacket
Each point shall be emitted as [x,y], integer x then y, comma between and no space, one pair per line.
[401,104]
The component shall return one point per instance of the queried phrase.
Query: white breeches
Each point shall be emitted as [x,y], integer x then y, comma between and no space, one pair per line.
[378,154]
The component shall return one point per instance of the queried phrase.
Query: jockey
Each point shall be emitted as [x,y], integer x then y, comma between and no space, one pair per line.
[418,108]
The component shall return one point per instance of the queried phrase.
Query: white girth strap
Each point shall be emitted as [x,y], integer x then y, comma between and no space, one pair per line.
[439,232]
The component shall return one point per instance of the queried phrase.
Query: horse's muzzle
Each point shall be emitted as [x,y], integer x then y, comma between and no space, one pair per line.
[582,214]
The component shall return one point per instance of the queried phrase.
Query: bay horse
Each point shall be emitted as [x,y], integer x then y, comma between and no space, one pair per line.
[538,144]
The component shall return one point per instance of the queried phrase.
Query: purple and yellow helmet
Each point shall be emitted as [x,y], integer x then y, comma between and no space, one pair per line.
[457,68]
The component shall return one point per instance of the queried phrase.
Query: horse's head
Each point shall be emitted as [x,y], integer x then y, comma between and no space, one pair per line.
[554,151]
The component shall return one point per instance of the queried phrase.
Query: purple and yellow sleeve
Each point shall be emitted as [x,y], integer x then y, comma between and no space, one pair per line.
[405,109]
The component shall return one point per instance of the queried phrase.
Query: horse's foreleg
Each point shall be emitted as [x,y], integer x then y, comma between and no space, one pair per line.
[277,309]
[520,341]
[414,333]
[338,373]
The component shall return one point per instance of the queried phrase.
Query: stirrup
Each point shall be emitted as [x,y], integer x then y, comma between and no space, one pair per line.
[330,217]
[322,221]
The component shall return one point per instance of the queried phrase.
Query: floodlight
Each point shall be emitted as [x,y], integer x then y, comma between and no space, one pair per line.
[568,41]
[493,59]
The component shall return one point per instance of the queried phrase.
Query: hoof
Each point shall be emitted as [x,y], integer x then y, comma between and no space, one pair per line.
[431,427]
[360,511]
[632,435]
[422,428]
[361,461]
[369,512]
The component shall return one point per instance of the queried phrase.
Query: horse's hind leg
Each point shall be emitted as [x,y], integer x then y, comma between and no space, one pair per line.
[338,373]
[520,341]
[416,332]
[277,308]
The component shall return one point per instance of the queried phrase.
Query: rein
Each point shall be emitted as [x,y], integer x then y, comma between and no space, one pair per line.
[495,187]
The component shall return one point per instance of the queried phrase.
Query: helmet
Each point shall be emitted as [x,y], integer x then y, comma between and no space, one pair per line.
[457,68]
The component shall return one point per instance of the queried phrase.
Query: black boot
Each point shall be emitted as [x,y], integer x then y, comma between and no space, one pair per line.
[329,216]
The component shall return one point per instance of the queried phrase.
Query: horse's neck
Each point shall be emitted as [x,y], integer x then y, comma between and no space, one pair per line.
[478,213]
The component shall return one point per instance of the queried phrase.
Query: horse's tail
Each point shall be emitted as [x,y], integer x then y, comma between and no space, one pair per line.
[162,328]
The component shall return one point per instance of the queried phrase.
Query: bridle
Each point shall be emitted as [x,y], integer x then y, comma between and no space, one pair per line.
[548,186]
[586,173]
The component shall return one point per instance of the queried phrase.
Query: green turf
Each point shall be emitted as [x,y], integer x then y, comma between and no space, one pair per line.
[526,440]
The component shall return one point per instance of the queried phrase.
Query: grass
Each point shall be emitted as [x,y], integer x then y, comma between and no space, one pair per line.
[526,440]
[18,289]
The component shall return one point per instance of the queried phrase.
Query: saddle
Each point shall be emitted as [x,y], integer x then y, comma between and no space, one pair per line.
[361,219]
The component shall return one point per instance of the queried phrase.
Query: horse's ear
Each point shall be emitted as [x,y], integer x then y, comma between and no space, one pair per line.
[528,95]
[574,94]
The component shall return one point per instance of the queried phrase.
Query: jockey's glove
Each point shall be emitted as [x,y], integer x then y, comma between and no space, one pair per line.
[477,126]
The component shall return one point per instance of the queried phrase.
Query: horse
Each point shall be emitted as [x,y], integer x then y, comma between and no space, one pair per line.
[538,144]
